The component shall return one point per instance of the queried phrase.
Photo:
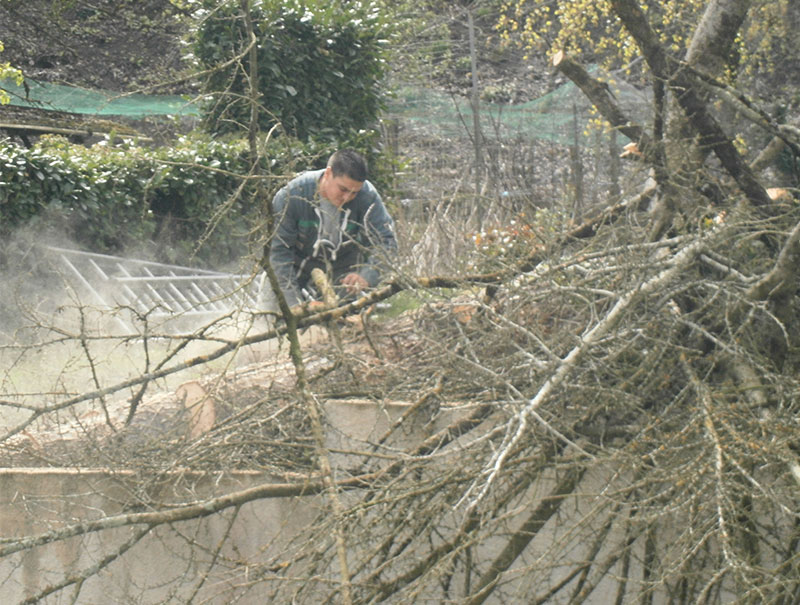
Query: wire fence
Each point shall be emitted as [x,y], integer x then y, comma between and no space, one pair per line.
[548,153]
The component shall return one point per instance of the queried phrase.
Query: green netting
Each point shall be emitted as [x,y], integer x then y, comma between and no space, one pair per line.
[560,116]
[95,102]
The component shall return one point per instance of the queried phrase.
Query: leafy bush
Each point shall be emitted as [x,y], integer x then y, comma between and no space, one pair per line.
[10,72]
[110,198]
[320,66]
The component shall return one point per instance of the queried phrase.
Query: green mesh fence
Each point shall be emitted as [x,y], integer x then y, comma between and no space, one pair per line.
[560,116]
[95,102]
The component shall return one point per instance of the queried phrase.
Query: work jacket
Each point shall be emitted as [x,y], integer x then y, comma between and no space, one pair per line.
[366,243]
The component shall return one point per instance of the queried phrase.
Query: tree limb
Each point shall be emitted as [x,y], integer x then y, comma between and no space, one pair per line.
[602,98]
[527,532]
[782,278]
[679,80]
[680,261]
[711,45]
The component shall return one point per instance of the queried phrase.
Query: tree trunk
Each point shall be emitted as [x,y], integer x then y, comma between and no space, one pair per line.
[681,84]
[713,40]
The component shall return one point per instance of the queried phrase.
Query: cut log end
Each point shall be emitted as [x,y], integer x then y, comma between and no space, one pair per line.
[631,149]
[779,194]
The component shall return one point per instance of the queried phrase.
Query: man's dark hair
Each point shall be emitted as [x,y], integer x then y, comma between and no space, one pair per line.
[349,163]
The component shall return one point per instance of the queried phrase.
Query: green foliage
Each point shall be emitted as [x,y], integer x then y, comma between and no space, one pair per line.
[320,66]
[110,198]
[589,29]
[8,72]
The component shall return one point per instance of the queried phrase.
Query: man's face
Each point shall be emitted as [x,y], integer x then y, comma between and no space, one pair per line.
[338,190]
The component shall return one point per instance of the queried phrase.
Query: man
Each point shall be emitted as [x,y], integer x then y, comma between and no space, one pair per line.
[333,219]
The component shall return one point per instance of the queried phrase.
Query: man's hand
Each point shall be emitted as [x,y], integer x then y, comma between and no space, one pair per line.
[308,307]
[354,283]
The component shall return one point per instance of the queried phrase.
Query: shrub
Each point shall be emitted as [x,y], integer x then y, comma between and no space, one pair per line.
[320,66]
[110,198]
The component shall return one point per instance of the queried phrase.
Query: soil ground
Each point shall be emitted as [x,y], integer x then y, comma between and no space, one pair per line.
[118,45]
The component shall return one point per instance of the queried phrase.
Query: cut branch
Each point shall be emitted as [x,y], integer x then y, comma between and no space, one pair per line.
[602,98]
[784,274]
[560,374]
[523,536]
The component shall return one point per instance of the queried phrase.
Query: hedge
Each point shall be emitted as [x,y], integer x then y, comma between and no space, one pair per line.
[321,66]
[173,202]
[109,198]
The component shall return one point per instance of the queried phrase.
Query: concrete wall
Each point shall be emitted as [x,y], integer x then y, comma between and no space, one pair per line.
[226,555]
[34,501]
[170,563]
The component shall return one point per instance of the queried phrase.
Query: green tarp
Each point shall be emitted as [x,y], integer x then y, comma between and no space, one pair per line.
[95,102]
[560,116]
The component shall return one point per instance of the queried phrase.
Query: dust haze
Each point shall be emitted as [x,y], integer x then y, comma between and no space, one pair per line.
[57,340]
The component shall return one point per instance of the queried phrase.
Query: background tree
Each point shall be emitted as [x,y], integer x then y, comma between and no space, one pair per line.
[322,66]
